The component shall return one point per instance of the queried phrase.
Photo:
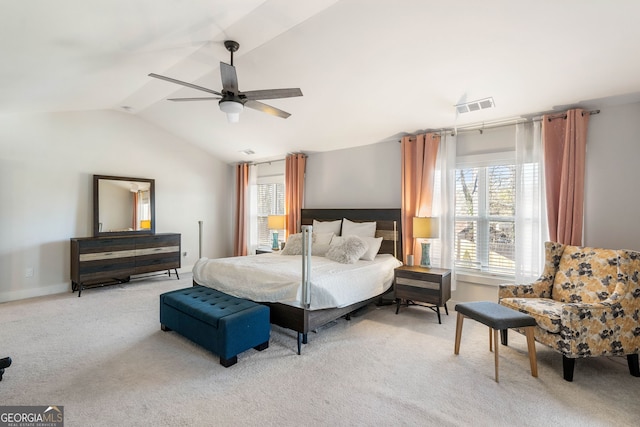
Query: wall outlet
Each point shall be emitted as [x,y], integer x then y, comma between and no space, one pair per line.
[28,272]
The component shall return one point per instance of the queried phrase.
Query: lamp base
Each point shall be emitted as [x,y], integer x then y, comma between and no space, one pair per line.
[275,246]
[425,261]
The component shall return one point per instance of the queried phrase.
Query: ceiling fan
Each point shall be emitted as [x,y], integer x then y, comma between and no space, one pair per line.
[231,100]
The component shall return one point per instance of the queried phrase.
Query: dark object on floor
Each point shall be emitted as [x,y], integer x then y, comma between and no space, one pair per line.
[4,363]
[221,323]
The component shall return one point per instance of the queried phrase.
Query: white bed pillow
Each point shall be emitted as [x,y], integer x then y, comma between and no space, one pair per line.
[320,243]
[347,250]
[293,245]
[327,226]
[373,244]
[360,229]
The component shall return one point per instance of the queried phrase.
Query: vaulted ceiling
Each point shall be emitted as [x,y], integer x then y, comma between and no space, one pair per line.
[369,69]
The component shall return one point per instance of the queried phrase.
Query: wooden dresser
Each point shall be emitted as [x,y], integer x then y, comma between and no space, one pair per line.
[111,260]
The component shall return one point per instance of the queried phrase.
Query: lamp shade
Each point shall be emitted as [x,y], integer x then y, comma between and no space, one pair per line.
[426,227]
[275,222]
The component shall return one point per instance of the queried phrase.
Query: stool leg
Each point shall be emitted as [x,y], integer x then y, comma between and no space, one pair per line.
[495,339]
[459,321]
[531,347]
[490,339]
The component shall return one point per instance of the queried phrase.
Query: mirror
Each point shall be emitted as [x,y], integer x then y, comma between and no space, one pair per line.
[123,206]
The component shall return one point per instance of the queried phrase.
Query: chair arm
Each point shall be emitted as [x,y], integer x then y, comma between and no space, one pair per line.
[541,288]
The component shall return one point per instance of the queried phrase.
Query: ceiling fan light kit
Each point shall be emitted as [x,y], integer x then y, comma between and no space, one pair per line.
[231,100]
[232,109]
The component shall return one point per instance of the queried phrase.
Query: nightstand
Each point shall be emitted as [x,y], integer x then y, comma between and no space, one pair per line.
[428,285]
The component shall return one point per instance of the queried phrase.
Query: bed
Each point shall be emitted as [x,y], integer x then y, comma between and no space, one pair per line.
[285,295]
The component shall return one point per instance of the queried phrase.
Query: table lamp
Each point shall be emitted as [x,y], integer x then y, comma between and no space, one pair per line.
[275,223]
[425,228]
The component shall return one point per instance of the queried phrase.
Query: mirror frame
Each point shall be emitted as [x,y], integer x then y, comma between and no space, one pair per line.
[96,206]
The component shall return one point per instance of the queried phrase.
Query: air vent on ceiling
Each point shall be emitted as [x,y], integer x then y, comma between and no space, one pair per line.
[480,104]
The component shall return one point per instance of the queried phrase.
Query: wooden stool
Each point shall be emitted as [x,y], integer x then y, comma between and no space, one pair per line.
[497,318]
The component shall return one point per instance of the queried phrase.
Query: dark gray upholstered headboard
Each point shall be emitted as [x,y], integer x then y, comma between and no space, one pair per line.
[386,220]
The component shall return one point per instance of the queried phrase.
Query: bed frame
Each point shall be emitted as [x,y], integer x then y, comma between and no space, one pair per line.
[302,320]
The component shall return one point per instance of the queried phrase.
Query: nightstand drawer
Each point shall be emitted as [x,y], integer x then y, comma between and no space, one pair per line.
[406,292]
[417,283]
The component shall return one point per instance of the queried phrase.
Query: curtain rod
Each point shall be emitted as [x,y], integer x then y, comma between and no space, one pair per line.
[273,161]
[503,123]
[266,162]
[481,126]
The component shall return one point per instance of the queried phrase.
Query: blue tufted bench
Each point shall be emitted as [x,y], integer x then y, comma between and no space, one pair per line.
[221,323]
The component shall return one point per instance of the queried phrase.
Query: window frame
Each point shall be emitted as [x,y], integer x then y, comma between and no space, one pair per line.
[274,179]
[483,219]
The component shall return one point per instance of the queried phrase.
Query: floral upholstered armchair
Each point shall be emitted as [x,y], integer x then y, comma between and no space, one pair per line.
[586,303]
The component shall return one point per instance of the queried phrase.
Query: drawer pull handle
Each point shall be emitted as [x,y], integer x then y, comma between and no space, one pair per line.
[108,253]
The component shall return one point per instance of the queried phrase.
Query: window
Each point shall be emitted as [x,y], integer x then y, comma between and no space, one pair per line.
[485,218]
[270,194]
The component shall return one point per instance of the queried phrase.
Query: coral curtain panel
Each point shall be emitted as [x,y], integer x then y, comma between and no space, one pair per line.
[294,190]
[564,145]
[242,197]
[419,154]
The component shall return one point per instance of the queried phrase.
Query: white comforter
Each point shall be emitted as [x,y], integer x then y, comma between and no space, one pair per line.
[277,278]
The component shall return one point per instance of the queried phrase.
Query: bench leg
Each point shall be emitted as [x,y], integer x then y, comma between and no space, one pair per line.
[531,348]
[459,321]
[229,362]
[496,353]
[165,328]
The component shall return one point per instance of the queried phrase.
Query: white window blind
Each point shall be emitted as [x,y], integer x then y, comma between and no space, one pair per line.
[485,218]
[270,202]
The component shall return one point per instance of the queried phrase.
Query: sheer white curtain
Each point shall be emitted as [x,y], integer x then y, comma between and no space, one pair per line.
[444,205]
[531,218]
[252,211]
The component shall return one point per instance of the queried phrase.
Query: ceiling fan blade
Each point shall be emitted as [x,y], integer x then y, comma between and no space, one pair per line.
[179,82]
[257,105]
[229,78]
[271,93]
[207,98]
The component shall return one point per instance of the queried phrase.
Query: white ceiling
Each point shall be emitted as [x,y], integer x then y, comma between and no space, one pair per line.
[369,69]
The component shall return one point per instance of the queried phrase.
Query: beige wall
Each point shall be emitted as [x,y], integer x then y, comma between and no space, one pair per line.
[46,167]
[369,176]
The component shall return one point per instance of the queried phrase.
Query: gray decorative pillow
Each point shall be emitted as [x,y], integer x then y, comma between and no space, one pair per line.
[348,251]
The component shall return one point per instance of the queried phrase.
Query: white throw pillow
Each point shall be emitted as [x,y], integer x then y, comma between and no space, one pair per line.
[361,229]
[348,251]
[320,243]
[327,226]
[293,245]
[374,246]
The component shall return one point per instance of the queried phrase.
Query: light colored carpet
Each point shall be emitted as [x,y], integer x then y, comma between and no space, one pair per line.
[105,359]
